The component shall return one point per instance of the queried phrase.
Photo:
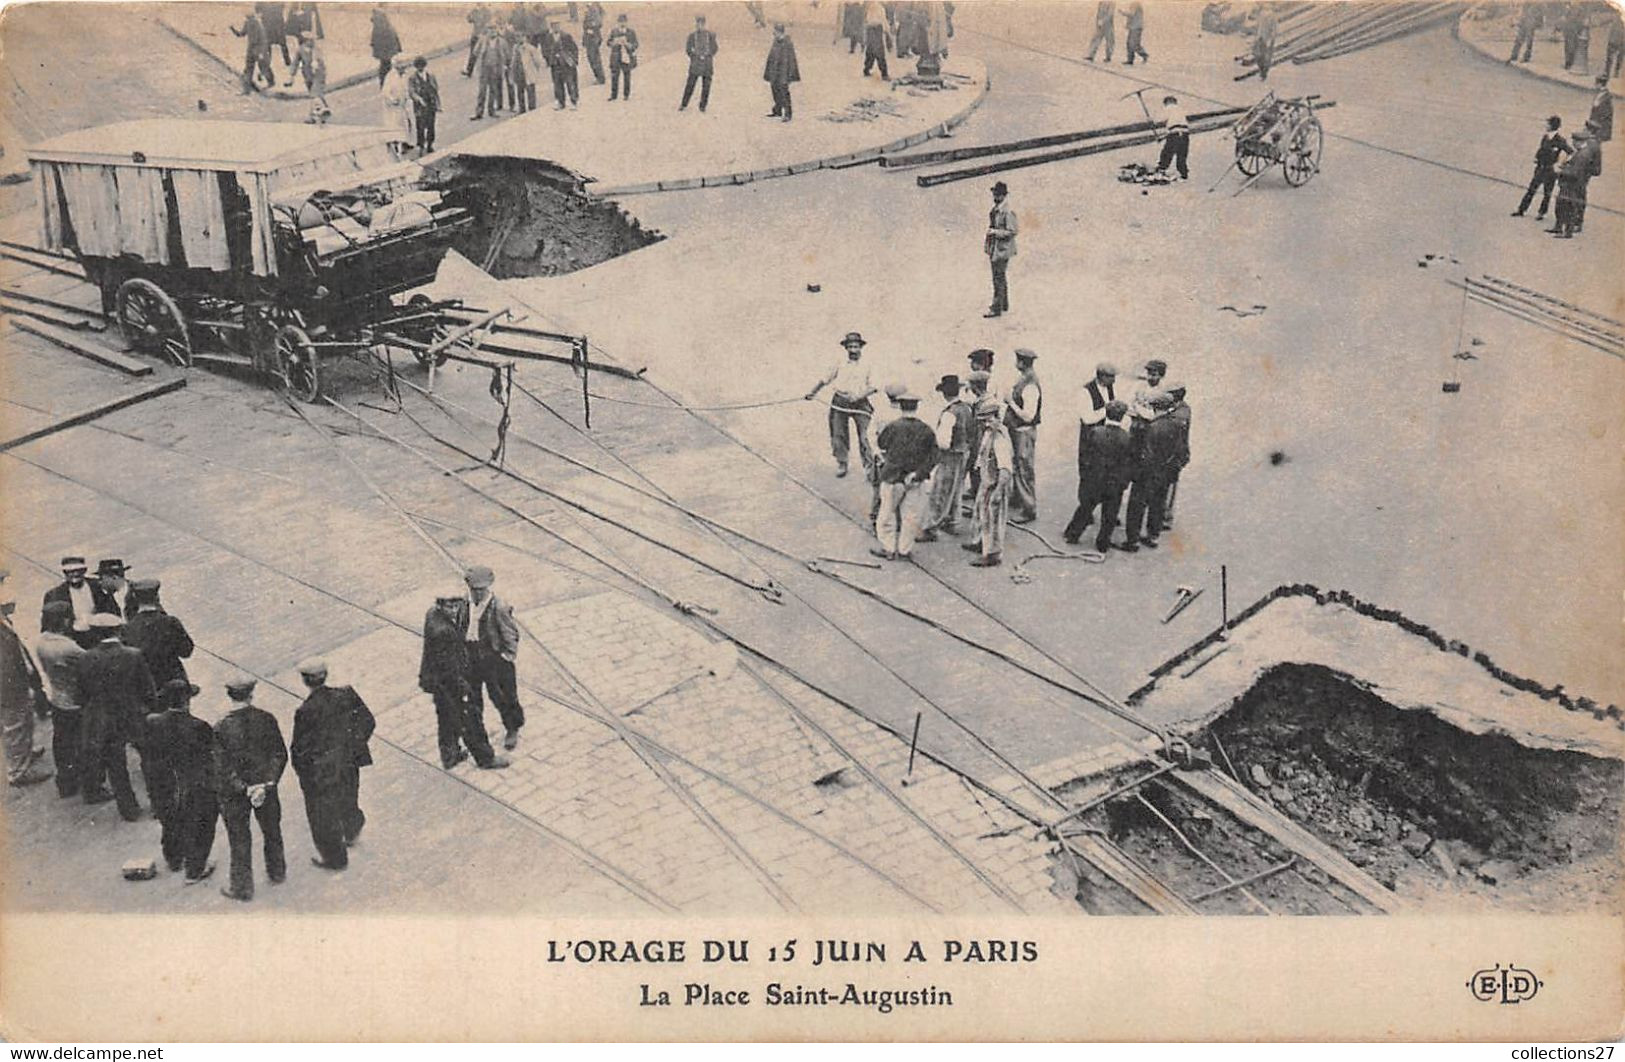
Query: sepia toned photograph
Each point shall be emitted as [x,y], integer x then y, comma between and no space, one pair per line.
[812,512]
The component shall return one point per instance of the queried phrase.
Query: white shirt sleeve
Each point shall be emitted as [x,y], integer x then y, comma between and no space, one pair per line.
[945,429]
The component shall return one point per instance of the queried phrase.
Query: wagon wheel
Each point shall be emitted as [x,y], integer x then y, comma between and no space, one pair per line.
[296,363]
[1302,158]
[150,321]
[1249,162]
[430,335]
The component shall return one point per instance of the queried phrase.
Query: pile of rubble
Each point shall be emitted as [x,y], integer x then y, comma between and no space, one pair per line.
[1140,173]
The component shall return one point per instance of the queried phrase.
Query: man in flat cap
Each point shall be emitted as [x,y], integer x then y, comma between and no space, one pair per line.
[118,693]
[249,758]
[59,657]
[111,589]
[995,460]
[180,755]
[848,403]
[1105,462]
[980,382]
[162,638]
[493,645]
[1000,246]
[445,674]
[1156,455]
[1179,415]
[21,691]
[909,452]
[76,591]
[1139,407]
[955,426]
[331,730]
[1022,417]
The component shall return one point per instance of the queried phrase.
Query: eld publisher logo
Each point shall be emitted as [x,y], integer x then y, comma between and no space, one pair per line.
[1504,984]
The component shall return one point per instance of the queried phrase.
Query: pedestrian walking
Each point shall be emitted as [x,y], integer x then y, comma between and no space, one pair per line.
[1022,417]
[324,759]
[343,814]
[994,462]
[848,403]
[1264,34]
[592,40]
[1134,23]
[562,60]
[1614,56]
[161,638]
[479,20]
[396,98]
[1105,461]
[1176,140]
[1178,415]
[849,26]
[1105,29]
[1601,120]
[781,71]
[75,592]
[1529,18]
[22,696]
[493,644]
[59,657]
[180,755]
[1156,455]
[386,43]
[118,694]
[701,48]
[1000,246]
[876,39]
[256,53]
[623,58]
[425,94]
[274,18]
[491,60]
[908,450]
[249,758]
[954,429]
[1572,24]
[445,673]
[312,63]
[1552,148]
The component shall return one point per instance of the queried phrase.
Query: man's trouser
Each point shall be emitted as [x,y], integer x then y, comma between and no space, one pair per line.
[354,818]
[473,44]
[1023,477]
[1145,501]
[325,810]
[1544,179]
[1612,59]
[1095,490]
[425,129]
[1107,32]
[261,61]
[1134,48]
[595,58]
[946,483]
[188,833]
[105,765]
[620,79]
[525,94]
[235,811]
[874,51]
[566,89]
[705,89]
[1176,149]
[1525,40]
[781,99]
[844,411]
[67,747]
[459,723]
[992,511]
[1001,284]
[902,510]
[489,100]
[18,727]
[493,673]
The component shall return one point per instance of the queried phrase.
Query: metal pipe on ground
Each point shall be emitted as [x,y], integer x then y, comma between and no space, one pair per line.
[930,158]
[931,180]
[1381,35]
[95,412]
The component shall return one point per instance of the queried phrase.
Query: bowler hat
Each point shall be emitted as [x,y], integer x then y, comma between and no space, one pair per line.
[177,688]
[241,688]
[111,564]
[1000,188]
[144,586]
[479,577]
[949,384]
[854,337]
[980,376]
[982,354]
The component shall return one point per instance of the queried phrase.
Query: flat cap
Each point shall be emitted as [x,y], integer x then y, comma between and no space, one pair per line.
[1174,387]
[1116,410]
[314,666]
[1156,365]
[105,621]
[980,376]
[57,610]
[1024,354]
[982,354]
[144,586]
[1105,368]
[479,576]
[241,688]
[73,561]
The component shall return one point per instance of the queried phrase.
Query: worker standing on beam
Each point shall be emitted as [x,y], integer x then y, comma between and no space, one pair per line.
[909,452]
[848,403]
[1105,29]
[994,462]
[1000,246]
[1022,417]
[1176,144]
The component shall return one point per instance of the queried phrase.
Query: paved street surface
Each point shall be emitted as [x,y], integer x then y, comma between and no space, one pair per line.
[645,782]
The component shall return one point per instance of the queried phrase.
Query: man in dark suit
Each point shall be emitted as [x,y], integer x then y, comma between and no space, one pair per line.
[1552,147]
[329,748]
[249,758]
[162,638]
[111,588]
[1155,461]
[493,644]
[446,674]
[180,755]
[1104,461]
[118,694]
[80,598]
[702,52]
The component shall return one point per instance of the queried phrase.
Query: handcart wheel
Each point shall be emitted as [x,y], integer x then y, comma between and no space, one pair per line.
[151,323]
[1249,162]
[296,363]
[430,335]
[1302,160]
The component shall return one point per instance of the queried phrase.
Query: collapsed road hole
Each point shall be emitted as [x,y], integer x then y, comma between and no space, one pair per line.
[531,218]
[1430,810]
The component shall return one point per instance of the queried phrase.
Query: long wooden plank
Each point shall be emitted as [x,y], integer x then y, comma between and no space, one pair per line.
[931,180]
[1239,801]
[50,315]
[84,347]
[1116,864]
[95,412]
[929,158]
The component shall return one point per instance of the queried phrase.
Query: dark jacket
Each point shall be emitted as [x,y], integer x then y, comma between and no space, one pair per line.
[1180,417]
[253,32]
[499,631]
[179,750]
[248,750]
[623,45]
[445,665]
[1551,146]
[564,55]
[425,91]
[781,62]
[101,601]
[386,43]
[1160,444]
[330,732]
[910,449]
[20,688]
[118,691]
[1110,456]
[1602,115]
[702,49]
[274,21]
[163,642]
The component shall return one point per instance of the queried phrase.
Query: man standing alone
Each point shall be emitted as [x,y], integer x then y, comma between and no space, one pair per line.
[781,71]
[623,58]
[425,93]
[1176,141]
[493,645]
[702,52]
[1022,417]
[1134,19]
[848,403]
[1000,246]
[249,760]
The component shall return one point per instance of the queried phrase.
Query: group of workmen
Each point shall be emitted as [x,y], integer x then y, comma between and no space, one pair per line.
[111,676]
[980,450]
[1570,164]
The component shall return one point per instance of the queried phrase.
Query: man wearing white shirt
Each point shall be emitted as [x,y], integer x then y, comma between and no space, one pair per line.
[1176,144]
[1022,417]
[848,404]
[955,426]
[80,598]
